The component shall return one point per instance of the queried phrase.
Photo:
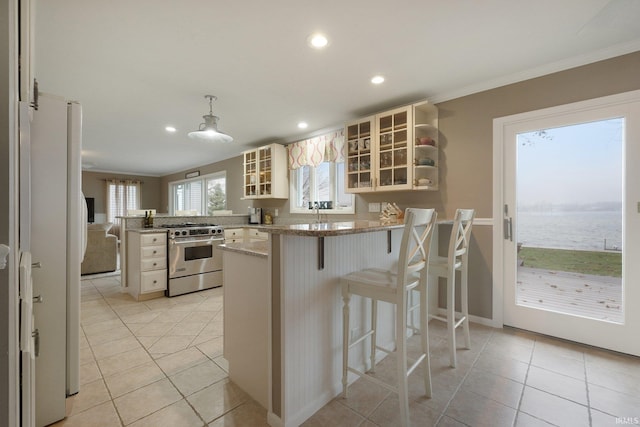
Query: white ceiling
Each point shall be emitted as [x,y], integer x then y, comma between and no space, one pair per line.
[137,66]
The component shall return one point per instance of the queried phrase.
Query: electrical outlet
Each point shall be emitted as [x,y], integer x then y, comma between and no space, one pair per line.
[275,212]
[374,207]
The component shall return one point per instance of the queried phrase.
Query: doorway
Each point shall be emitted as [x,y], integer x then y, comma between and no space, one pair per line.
[566,195]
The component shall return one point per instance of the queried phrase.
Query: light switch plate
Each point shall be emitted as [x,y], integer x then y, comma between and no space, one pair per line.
[374,207]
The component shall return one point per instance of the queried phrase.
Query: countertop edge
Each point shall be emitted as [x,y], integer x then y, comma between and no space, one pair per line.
[332,229]
[257,249]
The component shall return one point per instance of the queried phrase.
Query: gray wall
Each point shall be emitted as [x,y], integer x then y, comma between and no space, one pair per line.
[93,185]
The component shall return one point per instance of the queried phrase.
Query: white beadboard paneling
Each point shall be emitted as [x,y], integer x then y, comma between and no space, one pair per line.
[311,314]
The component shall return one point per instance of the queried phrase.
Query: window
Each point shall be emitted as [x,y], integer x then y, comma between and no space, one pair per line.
[122,196]
[323,183]
[203,195]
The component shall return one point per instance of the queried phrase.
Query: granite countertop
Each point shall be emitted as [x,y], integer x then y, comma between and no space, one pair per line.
[148,230]
[259,249]
[330,228]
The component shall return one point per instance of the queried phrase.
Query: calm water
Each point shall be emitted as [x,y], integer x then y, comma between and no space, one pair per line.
[570,230]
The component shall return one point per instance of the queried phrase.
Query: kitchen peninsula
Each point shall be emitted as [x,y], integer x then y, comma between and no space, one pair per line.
[283,311]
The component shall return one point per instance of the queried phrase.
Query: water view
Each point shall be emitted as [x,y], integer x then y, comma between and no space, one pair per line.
[583,230]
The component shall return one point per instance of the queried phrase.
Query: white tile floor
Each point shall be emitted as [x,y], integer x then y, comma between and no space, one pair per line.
[159,363]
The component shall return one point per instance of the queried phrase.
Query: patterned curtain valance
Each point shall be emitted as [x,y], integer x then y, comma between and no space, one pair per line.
[313,151]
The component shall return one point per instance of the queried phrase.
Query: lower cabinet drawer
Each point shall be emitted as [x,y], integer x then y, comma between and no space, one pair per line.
[154,251]
[153,239]
[153,264]
[258,235]
[151,281]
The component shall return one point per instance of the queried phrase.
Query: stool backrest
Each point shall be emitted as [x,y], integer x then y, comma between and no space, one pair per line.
[460,236]
[416,241]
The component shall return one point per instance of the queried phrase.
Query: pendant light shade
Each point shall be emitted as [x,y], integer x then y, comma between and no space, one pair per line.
[208,131]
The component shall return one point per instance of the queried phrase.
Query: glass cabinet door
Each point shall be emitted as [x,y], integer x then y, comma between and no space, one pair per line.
[359,156]
[250,174]
[394,157]
[264,158]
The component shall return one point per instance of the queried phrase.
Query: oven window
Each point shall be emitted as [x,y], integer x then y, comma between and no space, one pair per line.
[198,252]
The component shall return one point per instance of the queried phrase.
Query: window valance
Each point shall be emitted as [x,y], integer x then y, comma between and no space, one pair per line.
[313,151]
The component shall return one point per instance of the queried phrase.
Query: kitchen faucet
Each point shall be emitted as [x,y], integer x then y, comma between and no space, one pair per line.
[316,206]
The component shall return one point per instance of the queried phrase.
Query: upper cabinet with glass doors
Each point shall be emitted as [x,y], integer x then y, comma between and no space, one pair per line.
[360,163]
[394,156]
[265,173]
[395,150]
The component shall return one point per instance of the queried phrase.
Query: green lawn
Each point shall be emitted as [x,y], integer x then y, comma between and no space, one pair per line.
[587,262]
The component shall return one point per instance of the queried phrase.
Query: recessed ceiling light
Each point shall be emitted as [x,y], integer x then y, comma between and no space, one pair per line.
[303,125]
[170,129]
[376,80]
[318,41]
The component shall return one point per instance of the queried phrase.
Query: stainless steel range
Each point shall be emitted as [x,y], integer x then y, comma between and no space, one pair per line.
[195,262]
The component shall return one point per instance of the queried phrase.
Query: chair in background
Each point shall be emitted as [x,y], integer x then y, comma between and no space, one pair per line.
[394,287]
[456,260]
[102,250]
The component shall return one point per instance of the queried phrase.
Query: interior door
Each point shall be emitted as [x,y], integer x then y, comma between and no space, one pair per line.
[549,312]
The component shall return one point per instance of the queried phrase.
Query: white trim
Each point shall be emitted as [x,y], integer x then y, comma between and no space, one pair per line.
[543,70]
[523,122]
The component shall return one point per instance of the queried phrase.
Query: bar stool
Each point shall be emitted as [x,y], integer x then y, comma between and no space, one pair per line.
[456,260]
[393,287]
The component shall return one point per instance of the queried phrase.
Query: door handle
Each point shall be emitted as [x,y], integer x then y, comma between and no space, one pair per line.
[508,229]
[36,342]
[36,265]
[37,299]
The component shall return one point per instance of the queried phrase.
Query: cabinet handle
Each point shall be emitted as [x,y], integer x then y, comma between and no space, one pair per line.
[155,252]
[154,264]
[155,281]
[36,265]
[155,240]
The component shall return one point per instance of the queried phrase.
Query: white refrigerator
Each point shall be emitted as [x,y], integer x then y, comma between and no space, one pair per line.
[56,243]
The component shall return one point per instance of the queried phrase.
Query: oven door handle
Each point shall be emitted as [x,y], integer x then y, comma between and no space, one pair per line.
[192,241]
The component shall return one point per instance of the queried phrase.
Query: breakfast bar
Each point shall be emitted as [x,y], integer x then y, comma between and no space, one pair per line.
[287,291]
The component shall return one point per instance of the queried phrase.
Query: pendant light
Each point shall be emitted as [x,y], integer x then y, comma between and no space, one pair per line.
[208,131]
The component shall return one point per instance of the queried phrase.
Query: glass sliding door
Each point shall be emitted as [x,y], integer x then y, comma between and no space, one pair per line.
[567,240]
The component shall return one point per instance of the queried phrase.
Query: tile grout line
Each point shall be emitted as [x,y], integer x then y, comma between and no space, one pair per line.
[524,385]
[586,383]
[112,400]
[156,364]
[464,378]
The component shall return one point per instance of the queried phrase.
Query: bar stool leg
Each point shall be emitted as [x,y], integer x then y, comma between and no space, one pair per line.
[464,293]
[401,344]
[346,297]
[374,325]
[424,338]
[451,316]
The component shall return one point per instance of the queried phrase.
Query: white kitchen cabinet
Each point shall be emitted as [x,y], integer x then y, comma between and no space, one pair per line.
[393,151]
[265,173]
[233,235]
[244,235]
[360,160]
[254,235]
[146,264]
